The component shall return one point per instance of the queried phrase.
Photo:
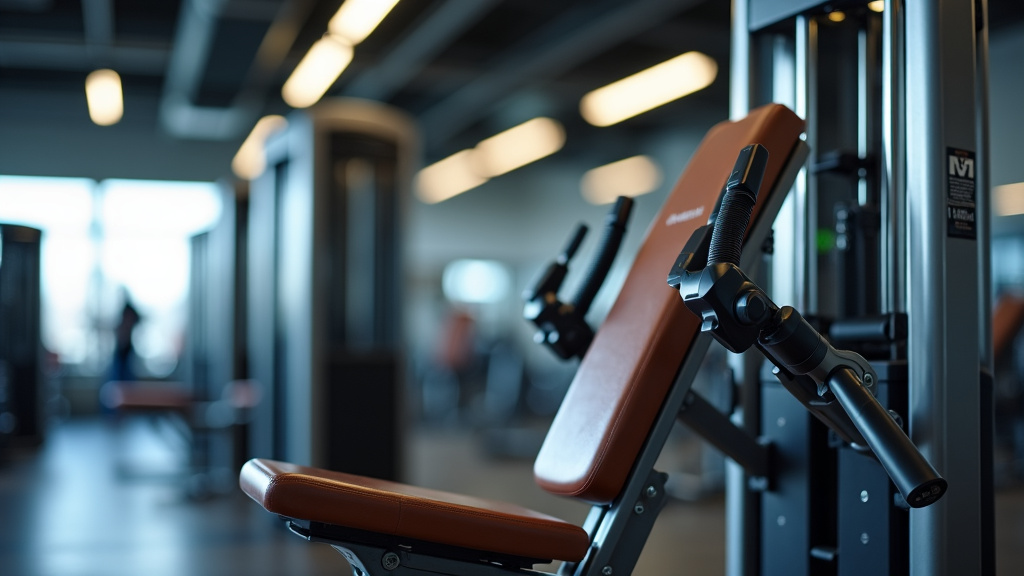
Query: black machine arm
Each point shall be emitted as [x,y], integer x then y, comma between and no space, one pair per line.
[834,385]
[562,325]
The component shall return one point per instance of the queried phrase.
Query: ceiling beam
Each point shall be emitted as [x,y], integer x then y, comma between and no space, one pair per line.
[76,57]
[98,22]
[197,24]
[574,37]
[429,37]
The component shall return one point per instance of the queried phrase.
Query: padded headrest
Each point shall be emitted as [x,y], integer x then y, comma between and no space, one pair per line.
[629,368]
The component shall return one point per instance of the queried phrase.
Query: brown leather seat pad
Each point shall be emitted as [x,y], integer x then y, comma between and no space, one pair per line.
[385,507]
[625,376]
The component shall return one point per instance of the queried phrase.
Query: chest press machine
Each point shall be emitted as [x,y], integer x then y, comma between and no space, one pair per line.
[632,384]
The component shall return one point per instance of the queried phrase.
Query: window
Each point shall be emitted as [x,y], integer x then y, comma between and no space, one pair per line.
[102,241]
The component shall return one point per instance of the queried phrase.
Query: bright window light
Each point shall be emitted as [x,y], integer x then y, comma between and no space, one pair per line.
[475,281]
[876,5]
[154,269]
[629,177]
[447,178]
[251,158]
[648,89]
[46,203]
[68,263]
[518,146]
[98,239]
[103,95]
[317,71]
[1009,199]
[157,207]
[63,209]
[356,19]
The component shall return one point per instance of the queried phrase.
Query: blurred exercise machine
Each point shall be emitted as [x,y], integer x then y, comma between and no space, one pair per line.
[22,390]
[324,296]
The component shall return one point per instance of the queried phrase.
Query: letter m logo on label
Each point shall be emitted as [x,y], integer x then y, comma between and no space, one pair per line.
[962,167]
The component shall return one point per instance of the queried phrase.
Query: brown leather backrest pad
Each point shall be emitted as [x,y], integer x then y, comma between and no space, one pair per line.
[625,376]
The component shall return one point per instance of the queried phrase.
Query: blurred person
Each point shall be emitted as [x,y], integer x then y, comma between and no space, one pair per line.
[124,352]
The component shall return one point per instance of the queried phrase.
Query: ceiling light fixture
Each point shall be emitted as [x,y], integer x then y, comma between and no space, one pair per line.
[633,176]
[251,158]
[356,19]
[648,89]
[876,5]
[104,97]
[518,146]
[1009,199]
[447,178]
[497,155]
[317,71]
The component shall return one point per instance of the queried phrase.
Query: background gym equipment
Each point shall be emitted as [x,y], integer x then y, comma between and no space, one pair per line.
[324,298]
[23,394]
[562,326]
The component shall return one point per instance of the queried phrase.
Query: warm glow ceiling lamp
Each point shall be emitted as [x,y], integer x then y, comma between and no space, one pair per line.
[329,56]
[518,146]
[447,178]
[497,155]
[648,89]
[317,71]
[1009,199]
[356,19]
[251,159]
[631,177]
[104,98]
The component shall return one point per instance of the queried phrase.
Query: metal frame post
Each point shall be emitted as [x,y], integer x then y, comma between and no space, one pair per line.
[943,269]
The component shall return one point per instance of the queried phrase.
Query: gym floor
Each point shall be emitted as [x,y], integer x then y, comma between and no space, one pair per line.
[66,511]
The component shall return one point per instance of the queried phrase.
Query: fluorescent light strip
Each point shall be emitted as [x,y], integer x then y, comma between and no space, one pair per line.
[356,19]
[317,71]
[251,158]
[447,178]
[518,146]
[629,177]
[1009,199]
[497,155]
[648,89]
[103,95]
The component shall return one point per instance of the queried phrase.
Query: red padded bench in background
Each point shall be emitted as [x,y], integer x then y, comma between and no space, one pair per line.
[194,419]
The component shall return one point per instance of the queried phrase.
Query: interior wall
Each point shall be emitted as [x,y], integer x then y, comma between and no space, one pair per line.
[1006,125]
[1006,89]
[36,141]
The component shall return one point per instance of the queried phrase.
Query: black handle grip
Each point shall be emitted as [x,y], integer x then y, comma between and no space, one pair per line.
[912,474]
[573,245]
[614,230]
[737,205]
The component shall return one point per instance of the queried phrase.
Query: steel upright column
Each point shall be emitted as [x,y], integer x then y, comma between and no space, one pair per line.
[920,158]
[942,284]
